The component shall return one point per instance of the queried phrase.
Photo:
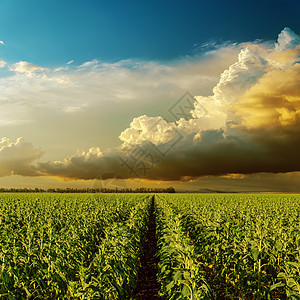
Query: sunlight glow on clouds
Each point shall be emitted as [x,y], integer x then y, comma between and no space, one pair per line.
[260,88]
[153,129]
[26,68]
[17,157]
[250,123]
[94,82]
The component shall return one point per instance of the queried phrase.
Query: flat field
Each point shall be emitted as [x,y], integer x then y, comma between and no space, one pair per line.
[145,246]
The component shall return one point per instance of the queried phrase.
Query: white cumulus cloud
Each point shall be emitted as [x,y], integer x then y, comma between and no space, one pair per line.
[2,63]
[152,129]
[26,68]
[287,39]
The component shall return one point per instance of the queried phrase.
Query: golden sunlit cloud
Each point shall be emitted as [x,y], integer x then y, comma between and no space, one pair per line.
[274,100]
[250,123]
[234,176]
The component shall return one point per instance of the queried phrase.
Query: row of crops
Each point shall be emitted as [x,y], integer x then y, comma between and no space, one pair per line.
[70,246]
[209,246]
[229,246]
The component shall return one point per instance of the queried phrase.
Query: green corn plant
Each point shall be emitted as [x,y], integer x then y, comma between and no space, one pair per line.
[180,275]
[48,242]
[243,241]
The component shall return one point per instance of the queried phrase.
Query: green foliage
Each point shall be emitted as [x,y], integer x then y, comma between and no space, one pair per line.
[55,246]
[113,272]
[180,275]
[210,246]
[249,245]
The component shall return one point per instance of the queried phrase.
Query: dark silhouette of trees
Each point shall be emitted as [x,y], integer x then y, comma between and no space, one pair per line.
[88,190]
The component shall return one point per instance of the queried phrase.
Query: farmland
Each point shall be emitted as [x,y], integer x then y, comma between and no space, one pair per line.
[95,246]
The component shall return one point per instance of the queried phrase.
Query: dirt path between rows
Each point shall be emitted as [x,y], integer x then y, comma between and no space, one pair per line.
[147,285]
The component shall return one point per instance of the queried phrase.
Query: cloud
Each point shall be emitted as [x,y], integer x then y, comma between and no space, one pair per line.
[152,129]
[26,68]
[261,87]
[17,158]
[249,124]
[287,39]
[83,165]
[2,64]
[211,152]
[2,43]
[218,153]
[272,102]
[70,88]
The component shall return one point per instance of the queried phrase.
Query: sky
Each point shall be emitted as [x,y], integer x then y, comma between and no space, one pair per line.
[199,95]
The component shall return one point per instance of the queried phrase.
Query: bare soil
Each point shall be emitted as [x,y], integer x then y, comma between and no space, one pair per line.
[147,285]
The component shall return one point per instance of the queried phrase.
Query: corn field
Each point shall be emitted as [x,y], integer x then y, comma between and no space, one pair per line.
[240,246]
[209,246]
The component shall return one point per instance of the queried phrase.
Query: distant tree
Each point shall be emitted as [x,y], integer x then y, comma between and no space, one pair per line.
[88,190]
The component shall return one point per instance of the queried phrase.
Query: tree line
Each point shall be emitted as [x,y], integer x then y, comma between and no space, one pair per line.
[88,190]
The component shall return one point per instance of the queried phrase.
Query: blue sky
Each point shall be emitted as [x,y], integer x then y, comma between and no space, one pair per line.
[53,32]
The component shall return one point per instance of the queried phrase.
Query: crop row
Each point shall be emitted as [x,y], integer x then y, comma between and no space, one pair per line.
[209,246]
[179,273]
[70,246]
[248,245]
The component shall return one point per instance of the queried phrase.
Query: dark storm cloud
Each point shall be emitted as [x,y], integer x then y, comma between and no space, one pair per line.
[211,153]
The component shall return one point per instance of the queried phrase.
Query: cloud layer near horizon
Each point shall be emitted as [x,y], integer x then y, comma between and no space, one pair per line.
[250,124]
[17,158]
